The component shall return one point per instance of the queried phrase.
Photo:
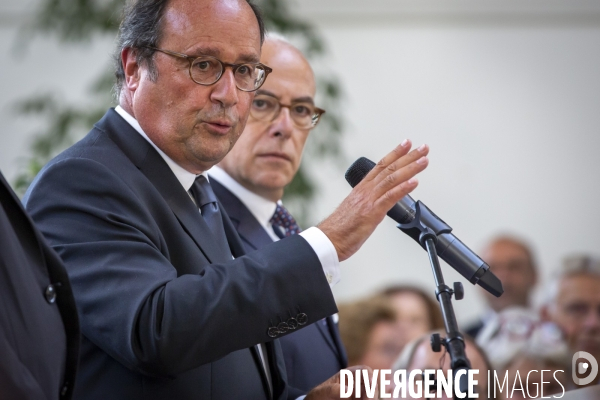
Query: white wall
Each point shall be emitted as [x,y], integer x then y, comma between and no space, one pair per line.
[505,92]
[32,65]
[508,101]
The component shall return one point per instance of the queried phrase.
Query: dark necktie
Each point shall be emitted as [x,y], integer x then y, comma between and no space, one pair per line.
[206,200]
[283,223]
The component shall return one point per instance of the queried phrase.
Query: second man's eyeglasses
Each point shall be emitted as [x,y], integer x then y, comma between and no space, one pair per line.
[267,108]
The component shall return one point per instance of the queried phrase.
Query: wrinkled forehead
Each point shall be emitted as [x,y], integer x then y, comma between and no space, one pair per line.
[227,29]
[583,287]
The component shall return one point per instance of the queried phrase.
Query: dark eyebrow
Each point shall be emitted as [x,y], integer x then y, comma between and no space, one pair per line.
[304,99]
[215,52]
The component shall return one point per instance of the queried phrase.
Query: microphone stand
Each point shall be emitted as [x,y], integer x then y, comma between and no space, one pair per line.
[454,341]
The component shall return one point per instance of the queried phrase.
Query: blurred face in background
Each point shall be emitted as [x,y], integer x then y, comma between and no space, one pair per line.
[412,315]
[267,155]
[511,263]
[383,346]
[577,312]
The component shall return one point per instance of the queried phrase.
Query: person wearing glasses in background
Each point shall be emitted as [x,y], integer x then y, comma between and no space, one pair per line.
[250,182]
[573,305]
[170,306]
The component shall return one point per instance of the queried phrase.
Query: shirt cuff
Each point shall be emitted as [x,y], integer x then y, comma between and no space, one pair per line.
[326,253]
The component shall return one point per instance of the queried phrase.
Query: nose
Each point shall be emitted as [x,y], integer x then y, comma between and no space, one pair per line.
[224,90]
[283,125]
[592,320]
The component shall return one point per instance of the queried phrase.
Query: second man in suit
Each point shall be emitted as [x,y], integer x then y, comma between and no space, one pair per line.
[250,182]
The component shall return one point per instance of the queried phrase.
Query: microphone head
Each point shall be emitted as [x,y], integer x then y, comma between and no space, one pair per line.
[358,170]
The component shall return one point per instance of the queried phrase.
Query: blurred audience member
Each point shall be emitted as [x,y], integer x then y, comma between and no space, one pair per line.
[368,331]
[416,311]
[574,305]
[418,355]
[518,343]
[512,261]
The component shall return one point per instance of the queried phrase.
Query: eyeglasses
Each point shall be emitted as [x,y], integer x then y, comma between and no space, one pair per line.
[267,108]
[207,70]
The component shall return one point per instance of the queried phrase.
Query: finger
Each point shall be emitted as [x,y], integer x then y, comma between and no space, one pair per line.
[402,162]
[397,178]
[392,156]
[392,196]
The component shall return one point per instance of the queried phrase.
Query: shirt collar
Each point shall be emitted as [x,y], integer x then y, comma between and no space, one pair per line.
[184,177]
[262,209]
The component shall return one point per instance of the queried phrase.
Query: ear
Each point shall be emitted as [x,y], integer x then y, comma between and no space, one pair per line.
[131,69]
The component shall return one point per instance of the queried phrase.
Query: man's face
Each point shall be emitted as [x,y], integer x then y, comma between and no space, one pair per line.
[511,264]
[197,125]
[268,154]
[577,312]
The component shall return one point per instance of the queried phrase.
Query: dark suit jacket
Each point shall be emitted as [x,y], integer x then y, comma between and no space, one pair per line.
[165,313]
[39,331]
[313,354]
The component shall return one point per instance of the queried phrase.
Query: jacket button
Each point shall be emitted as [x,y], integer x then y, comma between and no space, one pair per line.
[283,327]
[64,390]
[302,319]
[50,294]
[292,323]
[273,332]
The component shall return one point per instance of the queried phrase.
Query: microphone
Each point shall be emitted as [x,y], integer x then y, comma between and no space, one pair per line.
[448,246]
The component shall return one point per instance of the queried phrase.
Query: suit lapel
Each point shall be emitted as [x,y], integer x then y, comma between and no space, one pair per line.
[235,244]
[154,167]
[240,223]
[246,225]
[237,249]
[277,363]
[324,329]
[335,334]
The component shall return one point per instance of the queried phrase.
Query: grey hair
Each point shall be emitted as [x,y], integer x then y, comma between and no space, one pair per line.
[141,28]
[575,264]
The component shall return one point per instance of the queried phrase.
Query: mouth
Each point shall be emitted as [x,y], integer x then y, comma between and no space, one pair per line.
[221,127]
[275,156]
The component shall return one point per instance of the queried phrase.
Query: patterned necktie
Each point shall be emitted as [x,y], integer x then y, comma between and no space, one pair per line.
[206,200]
[282,220]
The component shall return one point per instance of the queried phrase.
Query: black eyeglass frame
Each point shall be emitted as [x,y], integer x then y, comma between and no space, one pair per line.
[316,117]
[234,67]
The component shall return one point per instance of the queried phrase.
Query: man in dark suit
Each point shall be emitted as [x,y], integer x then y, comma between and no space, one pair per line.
[170,307]
[250,182]
[39,331]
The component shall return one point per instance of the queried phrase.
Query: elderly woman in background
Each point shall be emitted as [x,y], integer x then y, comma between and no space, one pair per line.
[368,331]
[416,312]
